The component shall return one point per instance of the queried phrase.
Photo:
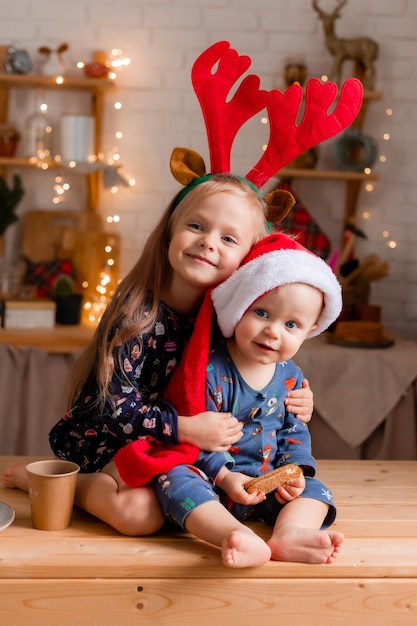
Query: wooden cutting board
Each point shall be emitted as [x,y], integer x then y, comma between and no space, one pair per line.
[75,235]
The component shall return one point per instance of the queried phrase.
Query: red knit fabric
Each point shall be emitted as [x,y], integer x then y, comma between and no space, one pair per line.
[140,461]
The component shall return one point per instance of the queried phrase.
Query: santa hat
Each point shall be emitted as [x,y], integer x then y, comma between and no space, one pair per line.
[274,261]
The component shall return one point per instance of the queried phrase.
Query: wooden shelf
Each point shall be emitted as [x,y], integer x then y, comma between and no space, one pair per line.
[50,82]
[293,172]
[372,95]
[57,340]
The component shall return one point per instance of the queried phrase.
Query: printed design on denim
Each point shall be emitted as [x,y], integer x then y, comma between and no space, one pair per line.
[188,504]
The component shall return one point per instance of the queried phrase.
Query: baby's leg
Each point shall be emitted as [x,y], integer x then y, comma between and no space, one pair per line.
[240,546]
[292,540]
[104,495]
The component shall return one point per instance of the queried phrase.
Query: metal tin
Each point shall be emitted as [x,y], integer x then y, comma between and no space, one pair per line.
[17,61]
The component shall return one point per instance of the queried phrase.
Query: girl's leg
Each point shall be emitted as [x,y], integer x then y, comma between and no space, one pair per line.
[104,495]
[292,540]
[15,477]
[131,511]
[240,546]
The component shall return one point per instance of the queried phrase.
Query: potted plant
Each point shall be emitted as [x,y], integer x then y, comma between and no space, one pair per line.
[68,302]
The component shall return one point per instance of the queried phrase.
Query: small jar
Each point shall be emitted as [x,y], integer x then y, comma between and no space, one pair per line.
[38,137]
[9,139]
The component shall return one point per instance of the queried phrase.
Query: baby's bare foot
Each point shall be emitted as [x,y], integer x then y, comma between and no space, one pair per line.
[245,549]
[305,545]
[15,477]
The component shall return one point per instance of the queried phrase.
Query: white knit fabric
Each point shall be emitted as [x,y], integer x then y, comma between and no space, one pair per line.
[278,267]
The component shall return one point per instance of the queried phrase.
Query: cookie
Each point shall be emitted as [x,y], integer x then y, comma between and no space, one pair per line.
[269,482]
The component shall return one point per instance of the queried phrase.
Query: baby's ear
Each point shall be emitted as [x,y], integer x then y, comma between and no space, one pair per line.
[280,203]
[186,165]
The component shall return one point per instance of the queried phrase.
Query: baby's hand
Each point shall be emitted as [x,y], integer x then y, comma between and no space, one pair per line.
[300,402]
[210,431]
[233,484]
[291,490]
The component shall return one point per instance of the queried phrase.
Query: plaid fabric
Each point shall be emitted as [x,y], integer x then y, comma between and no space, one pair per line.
[300,224]
[42,276]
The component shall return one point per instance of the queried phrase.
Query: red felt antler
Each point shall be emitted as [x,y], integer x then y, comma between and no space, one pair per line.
[288,139]
[224,118]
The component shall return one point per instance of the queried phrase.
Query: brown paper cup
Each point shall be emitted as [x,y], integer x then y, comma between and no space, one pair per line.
[51,493]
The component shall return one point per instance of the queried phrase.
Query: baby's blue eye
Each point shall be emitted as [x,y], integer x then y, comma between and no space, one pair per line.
[229,239]
[291,324]
[261,313]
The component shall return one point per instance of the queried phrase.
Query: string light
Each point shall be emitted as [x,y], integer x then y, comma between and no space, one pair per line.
[99,295]
[118,61]
[96,296]
[61,186]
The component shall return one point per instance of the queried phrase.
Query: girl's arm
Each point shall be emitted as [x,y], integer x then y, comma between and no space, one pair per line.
[210,430]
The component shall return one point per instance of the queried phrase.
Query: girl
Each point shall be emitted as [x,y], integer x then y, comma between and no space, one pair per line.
[116,394]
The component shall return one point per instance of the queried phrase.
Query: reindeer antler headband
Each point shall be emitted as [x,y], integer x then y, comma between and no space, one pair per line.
[213,75]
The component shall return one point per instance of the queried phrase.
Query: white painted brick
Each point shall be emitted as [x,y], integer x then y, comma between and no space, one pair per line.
[160,109]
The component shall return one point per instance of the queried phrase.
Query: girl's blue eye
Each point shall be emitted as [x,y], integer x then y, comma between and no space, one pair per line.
[229,239]
[261,313]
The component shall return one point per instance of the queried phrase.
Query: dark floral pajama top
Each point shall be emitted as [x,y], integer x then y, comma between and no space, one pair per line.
[91,437]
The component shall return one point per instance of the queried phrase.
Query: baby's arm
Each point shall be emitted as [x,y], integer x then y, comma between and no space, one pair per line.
[300,402]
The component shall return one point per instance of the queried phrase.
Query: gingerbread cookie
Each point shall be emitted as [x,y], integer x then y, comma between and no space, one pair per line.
[269,482]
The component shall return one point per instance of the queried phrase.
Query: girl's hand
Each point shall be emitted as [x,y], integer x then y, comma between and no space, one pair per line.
[291,490]
[300,402]
[233,484]
[210,431]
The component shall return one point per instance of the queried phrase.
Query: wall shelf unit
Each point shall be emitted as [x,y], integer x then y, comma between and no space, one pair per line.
[96,87]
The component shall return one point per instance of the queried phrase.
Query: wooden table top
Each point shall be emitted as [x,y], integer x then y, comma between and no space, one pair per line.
[377,511]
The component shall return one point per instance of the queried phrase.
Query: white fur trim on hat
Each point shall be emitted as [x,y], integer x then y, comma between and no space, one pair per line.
[275,268]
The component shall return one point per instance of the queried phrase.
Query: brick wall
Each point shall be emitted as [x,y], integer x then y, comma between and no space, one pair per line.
[160,111]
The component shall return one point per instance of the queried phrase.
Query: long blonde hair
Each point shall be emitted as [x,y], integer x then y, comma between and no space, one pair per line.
[125,316]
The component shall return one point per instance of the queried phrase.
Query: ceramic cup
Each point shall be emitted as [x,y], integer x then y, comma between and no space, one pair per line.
[51,493]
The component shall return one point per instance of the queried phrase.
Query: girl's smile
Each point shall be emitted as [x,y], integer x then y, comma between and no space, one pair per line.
[209,242]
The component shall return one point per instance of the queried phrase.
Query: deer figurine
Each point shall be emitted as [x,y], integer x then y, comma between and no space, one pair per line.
[53,62]
[362,50]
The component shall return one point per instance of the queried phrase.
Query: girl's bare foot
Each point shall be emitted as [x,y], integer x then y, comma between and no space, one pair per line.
[15,477]
[305,545]
[244,549]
